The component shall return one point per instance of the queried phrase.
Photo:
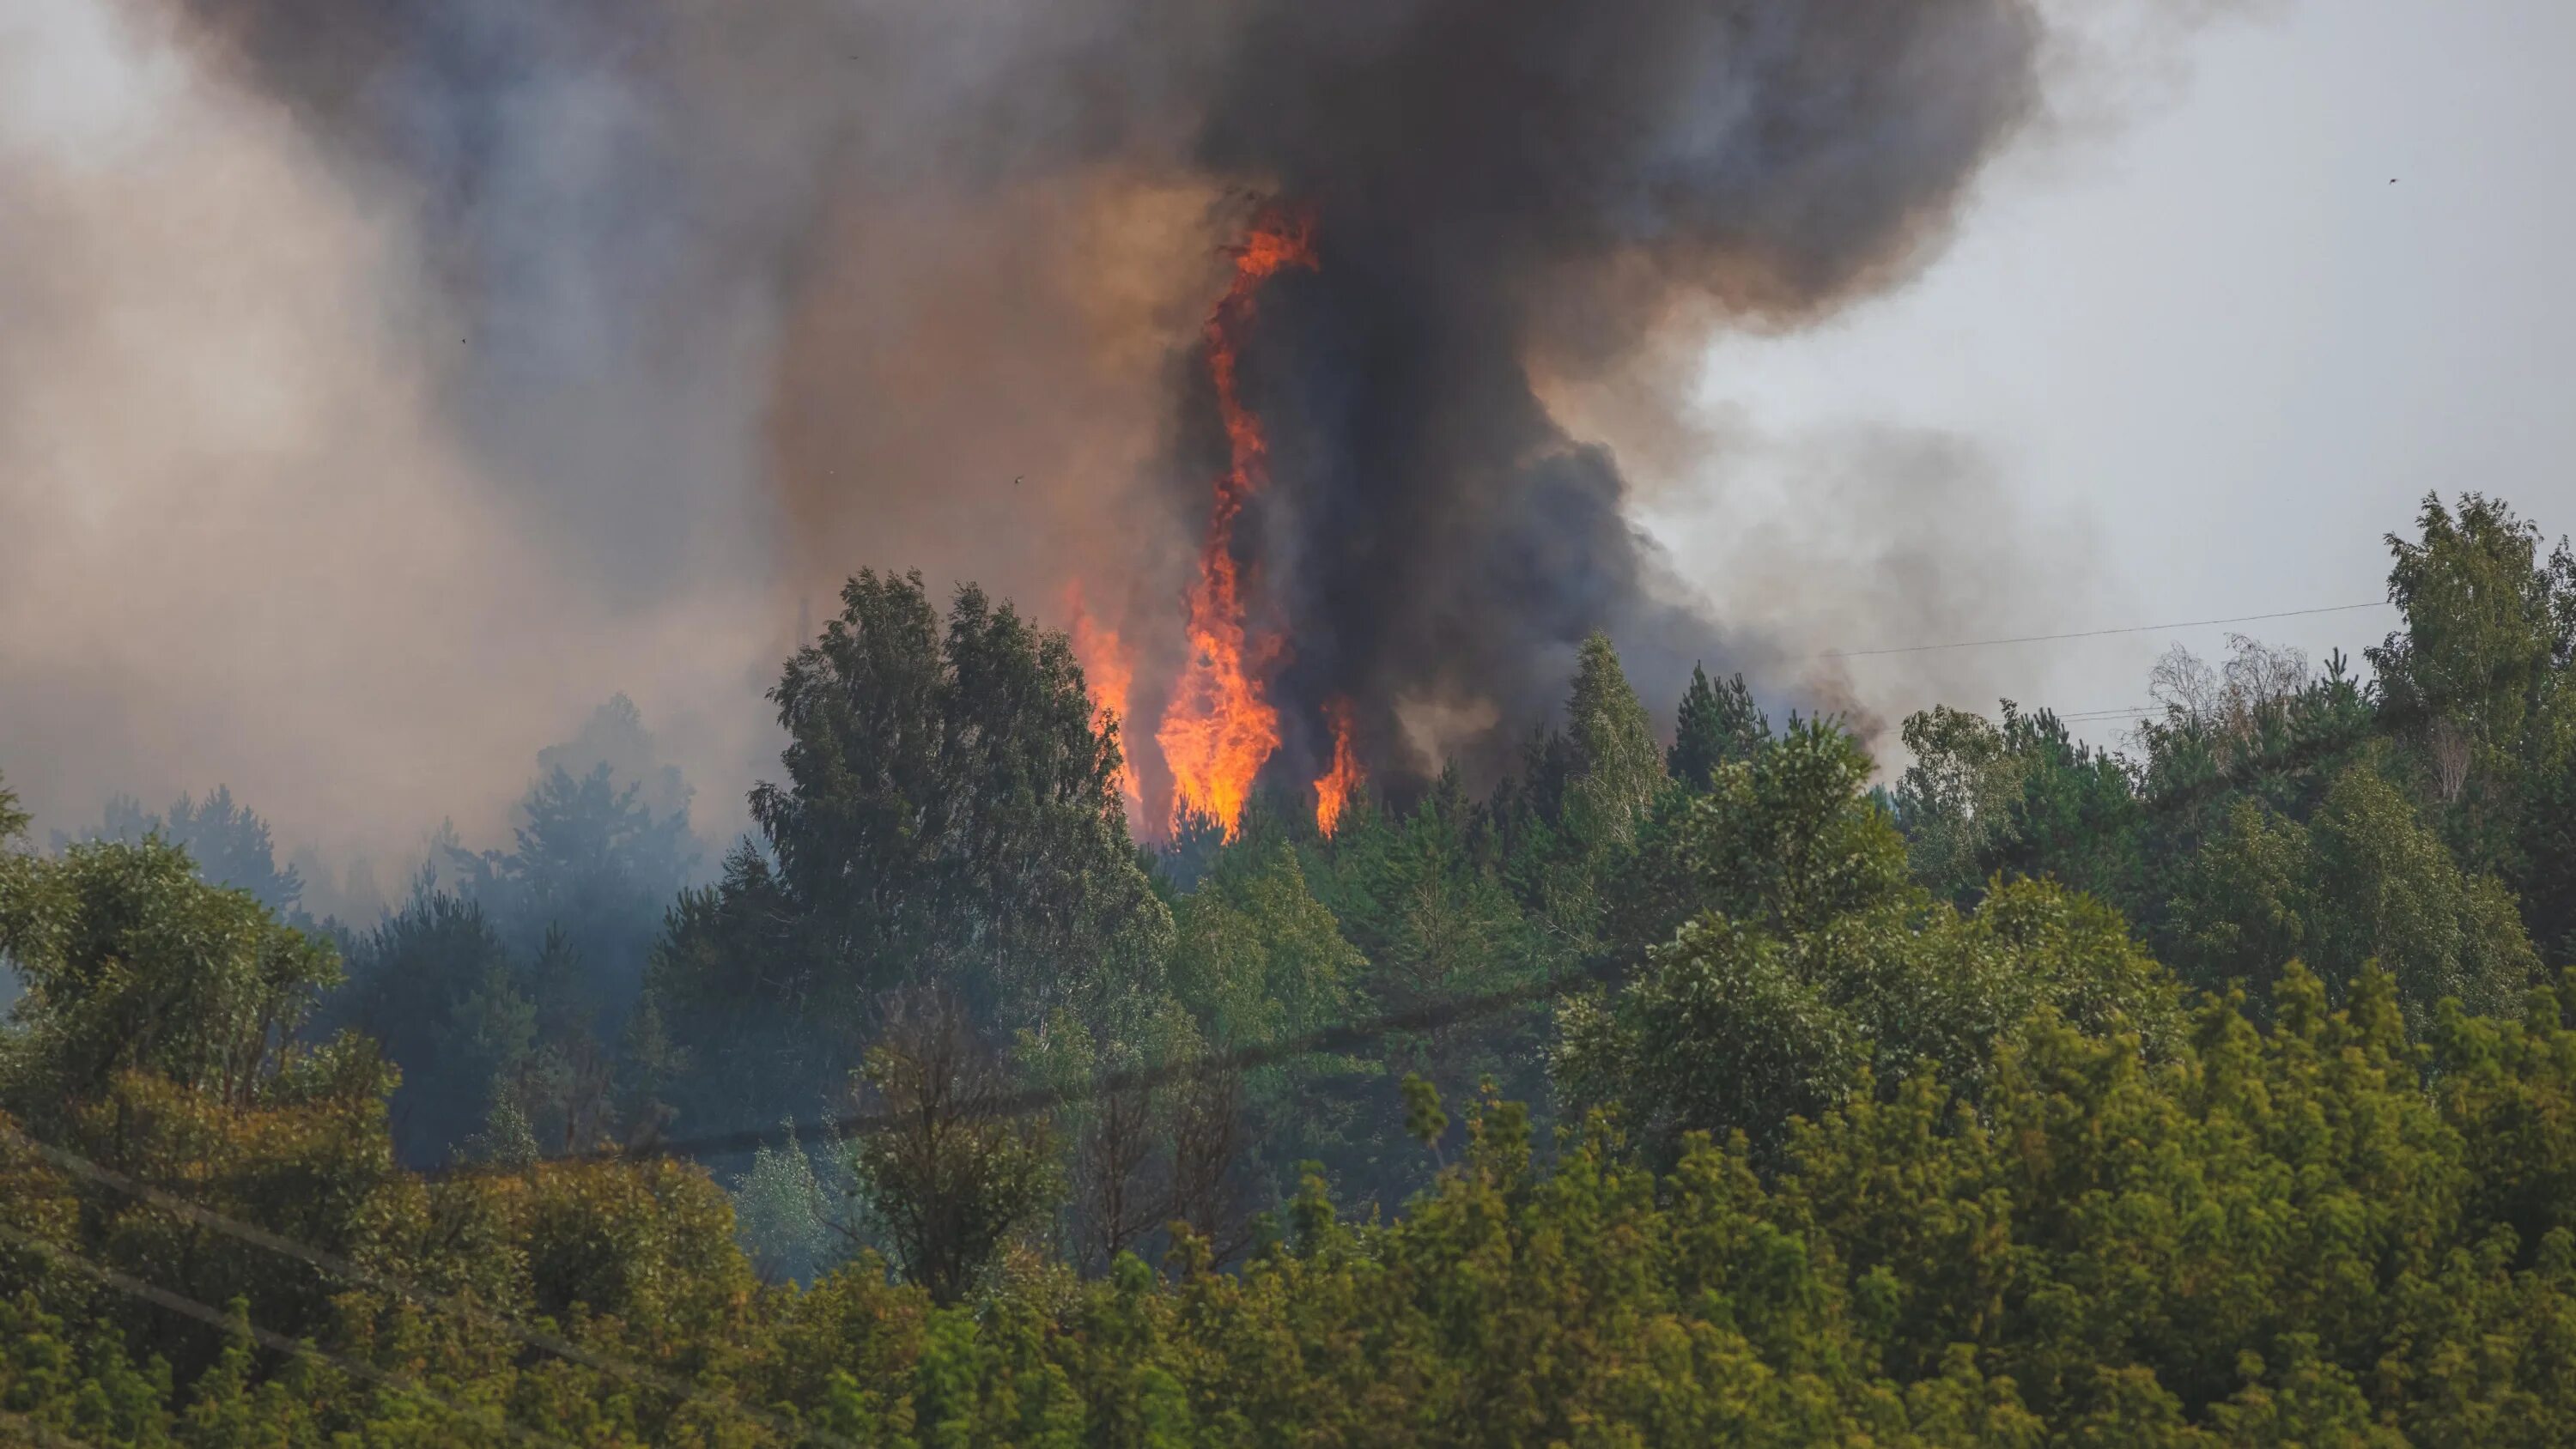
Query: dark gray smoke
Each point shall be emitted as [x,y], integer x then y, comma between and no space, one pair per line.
[1493,183]
[701,307]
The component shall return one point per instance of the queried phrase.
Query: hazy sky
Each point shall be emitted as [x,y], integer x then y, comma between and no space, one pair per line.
[2188,354]
[2220,346]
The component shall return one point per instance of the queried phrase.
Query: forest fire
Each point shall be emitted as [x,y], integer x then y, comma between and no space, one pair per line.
[1110,672]
[1221,726]
[1335,787]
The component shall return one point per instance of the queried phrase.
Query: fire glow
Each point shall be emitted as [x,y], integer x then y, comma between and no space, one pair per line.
[1110,672]
[1335,787]
[1221,726]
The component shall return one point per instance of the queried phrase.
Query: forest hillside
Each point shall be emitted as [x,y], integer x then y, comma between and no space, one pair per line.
[1697,1081]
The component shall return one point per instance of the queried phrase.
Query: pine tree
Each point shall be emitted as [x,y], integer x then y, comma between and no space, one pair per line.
[1618,769]
[1718,723]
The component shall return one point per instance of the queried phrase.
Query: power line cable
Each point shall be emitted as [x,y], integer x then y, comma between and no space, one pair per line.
[1425,1017]
[187,1307]
[1422,1017]
[2096,633]
[341,1267]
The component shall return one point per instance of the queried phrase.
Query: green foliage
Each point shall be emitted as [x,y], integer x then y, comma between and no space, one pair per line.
[2388,891]
[783,1215]
[1782,840]
[2479,679]
[2240,910]
[436,986]
[1956,799]
[1734,1027]
[1812,953]
[16,879]
[499,994]
[2278,811]
[1424,1122]
[1789,840]
[591,860]
[506,1139]
[950,815]
[229,843]
[1256,957]
[1717,723]
[13,821]
[2365,881]
[948,1174]
[1434,917]
[2079,817]
[2023,797]
[131,963]
[2542,872]
[1894,1133]
[1617,768]
[2486,622]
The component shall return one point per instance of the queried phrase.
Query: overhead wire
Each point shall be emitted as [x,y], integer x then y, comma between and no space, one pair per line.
[1426,1016]
[1423,1016]
[2097,633]
[340,1267]
[205,1313]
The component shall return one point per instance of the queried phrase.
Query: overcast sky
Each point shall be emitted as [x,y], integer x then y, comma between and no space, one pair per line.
[2230,344]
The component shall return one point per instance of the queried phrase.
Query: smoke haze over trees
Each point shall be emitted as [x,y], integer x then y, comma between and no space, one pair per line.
[653,324]
[601,604]
[2193,1093]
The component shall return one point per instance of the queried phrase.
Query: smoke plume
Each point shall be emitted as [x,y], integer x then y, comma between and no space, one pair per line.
[386,384]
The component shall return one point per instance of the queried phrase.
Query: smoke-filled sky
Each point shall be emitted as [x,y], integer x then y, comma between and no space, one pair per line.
[382,387]
[2317,269]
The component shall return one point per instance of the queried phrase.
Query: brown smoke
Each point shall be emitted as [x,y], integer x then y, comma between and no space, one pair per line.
[384,385]
[240,536]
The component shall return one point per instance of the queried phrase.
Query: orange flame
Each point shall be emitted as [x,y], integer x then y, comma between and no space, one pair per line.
[1220,728]
[1334,788]
[1110,670]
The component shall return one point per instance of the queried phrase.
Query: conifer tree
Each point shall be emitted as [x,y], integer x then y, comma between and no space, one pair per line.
[1617,767]
[1717,723]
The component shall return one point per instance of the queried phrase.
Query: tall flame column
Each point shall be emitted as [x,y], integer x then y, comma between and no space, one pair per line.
[1221,727]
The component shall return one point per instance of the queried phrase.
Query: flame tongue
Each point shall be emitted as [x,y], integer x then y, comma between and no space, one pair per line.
[1220,728]
[1110,671]
[1334,788]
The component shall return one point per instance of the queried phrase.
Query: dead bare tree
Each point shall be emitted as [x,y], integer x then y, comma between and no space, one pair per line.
[2230,706]
[2448,745]
[1209,1138]
[1118,1197]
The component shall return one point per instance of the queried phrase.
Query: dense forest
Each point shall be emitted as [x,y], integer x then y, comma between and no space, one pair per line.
[1697,1083]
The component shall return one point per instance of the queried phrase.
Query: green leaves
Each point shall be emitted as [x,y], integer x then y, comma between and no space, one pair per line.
[133,964]
[13,821]
[948,1174]
[1811,954]
[1424,1122]
[2386,889]
[1716,723]
[2485,621]
[950,815]
[1617,768]
[1257,958]
[1895,1133]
